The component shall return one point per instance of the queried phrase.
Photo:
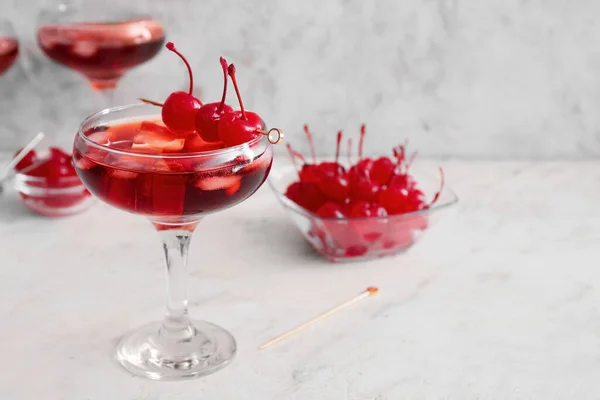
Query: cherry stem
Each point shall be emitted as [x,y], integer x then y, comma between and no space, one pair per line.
[350,151]
[360,143]
[337,149]
[411,160]
[300,157]
[224,66]
[310,143]
[154,103]
[171,47]
[400,154]
[293,157]
[439,192]
[231,71]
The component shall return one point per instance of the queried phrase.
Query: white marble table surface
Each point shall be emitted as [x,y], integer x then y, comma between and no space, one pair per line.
[498,301]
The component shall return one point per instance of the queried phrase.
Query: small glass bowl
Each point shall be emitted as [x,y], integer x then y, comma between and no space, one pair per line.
[360,239]
[66,197]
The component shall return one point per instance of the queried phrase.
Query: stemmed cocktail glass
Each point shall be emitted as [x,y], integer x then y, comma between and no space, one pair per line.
[173,190]
[9,46]
[99,41]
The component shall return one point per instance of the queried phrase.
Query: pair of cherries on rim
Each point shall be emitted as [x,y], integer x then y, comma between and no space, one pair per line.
[368,188]
[184,113]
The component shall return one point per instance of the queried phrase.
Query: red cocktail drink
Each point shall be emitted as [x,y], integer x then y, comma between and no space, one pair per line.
[160,176]
[9,50]
[103,52]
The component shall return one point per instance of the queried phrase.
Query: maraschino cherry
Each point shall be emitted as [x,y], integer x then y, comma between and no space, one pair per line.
[331,210]
[209,115]
[332,180]
[309,172]
[307,195]
[239,126]
[370,223]
[179,110]
[362,186]
[382,170]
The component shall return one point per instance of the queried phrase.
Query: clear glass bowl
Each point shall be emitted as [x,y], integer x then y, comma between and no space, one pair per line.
[360,239]
[62,198]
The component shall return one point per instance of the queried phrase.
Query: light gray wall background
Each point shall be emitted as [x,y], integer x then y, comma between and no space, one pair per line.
[473,78]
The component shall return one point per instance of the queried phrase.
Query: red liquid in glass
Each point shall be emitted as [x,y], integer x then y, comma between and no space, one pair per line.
[162,186]
[9,49]
[103,52]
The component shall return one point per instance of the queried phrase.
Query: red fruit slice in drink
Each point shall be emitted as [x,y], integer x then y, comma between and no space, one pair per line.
[230,184]
[84,49]
[154,138]
[195,144]
[102,137]
[120,188]
[121,173]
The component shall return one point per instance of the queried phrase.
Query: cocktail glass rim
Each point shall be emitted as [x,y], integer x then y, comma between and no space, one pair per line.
[209,153]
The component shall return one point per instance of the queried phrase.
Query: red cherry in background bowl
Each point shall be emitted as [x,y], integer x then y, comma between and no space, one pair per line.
[50,186]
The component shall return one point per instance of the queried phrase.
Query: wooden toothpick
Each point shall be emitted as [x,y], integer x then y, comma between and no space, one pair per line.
[370,291]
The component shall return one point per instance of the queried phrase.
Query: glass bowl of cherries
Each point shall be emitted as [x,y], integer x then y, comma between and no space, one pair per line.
[48,184]
[365,208]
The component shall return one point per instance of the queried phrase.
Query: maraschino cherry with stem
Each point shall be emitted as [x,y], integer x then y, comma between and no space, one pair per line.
[310,172]
[243,126]
[362,187]
[180,108]
[209,115]
[332,179]
[364,164]
[239,126]
[311,143]
[304,193]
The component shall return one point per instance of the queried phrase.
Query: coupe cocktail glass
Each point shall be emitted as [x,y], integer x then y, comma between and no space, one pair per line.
[101,42]
[174,191]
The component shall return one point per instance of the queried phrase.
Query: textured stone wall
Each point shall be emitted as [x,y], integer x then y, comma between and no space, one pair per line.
[474,78]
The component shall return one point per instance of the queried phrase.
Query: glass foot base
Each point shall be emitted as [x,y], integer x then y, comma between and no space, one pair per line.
[205,349]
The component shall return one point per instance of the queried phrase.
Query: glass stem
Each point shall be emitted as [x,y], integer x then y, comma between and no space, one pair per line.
[106,98]
[177,323]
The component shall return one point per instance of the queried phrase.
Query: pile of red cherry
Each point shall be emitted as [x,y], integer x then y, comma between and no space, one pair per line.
[353,202]
[185,115]
[53,171]
[53,167]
